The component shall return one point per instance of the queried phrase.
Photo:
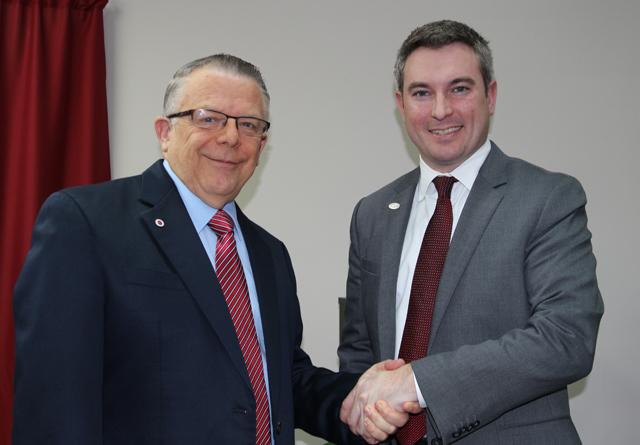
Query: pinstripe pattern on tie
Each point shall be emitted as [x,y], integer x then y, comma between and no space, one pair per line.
[426,279]
[234,287]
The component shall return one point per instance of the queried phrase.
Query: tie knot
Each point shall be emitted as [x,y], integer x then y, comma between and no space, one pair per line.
[221,223]
[444,184]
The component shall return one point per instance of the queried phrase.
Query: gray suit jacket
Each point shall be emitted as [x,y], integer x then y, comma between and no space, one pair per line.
[517,309]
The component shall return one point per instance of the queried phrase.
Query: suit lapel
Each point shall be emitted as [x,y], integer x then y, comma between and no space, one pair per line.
[264,275]
[394,225]
[169,224]
[481,204]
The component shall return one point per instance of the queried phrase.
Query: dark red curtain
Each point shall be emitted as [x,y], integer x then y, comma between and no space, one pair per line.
[54,131]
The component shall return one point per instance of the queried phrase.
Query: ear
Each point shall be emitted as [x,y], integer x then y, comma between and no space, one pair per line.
[262,143]
[492,94]
[162,126]
[400,102]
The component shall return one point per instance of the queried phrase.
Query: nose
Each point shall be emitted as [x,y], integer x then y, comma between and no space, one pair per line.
[229,133]
[441,107]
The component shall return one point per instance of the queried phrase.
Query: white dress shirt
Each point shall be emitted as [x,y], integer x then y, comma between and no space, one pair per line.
[424,204]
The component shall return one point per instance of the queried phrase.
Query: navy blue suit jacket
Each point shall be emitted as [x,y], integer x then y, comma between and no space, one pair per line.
[123,335]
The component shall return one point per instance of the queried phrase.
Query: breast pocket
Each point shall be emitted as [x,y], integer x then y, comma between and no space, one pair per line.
[154,278]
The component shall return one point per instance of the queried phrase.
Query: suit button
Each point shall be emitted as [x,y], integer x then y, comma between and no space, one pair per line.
[476,423]
[436,441]
[456,434]
[278,427]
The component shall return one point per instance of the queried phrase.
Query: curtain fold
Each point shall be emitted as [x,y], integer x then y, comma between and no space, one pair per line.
[54,127]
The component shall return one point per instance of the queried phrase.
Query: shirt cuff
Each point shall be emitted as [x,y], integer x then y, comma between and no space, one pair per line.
[421,400]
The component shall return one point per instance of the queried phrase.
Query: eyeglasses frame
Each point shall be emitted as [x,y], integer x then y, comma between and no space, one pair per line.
[227,117]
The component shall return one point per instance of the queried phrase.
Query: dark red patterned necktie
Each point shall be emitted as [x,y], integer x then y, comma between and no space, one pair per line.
[426,278]
[234,287]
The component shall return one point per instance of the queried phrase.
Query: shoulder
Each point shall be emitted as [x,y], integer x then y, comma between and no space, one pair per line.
[102,204]
[403,184]
[528,192]
[520,170]
[526,178]
[113,187]
[151,187]
[408,180]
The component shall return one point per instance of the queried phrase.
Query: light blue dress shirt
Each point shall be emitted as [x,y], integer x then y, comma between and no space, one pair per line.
[200,214]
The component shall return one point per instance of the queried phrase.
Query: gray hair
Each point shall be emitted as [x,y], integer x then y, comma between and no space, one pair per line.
[441,33]
[222,62]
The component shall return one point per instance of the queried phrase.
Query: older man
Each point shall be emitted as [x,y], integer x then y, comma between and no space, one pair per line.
[476,268]
[151,310]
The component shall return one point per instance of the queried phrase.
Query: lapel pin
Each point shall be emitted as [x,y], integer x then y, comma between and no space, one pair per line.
[159,222]
[394,206]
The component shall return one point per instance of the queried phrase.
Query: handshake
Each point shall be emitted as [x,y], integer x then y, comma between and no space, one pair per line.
[382,401]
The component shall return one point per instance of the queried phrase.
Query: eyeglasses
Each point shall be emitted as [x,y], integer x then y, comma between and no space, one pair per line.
[216,120]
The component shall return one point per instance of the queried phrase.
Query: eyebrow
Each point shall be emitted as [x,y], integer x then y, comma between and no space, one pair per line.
[455,81]
[462,80]
[413,85]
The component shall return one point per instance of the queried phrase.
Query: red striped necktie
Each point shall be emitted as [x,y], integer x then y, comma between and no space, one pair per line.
[234,287]
[426,278]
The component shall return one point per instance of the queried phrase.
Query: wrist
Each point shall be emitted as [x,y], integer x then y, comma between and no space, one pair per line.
[411,385]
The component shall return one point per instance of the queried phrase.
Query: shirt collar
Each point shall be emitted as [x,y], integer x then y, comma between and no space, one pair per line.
[466,173]
[199,211]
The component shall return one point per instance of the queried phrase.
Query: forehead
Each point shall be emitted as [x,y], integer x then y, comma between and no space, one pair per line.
[442,64]
[230,93]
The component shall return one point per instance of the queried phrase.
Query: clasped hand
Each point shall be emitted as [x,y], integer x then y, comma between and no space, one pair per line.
[381,401]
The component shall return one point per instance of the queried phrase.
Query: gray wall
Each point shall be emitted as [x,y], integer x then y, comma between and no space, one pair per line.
[567,73]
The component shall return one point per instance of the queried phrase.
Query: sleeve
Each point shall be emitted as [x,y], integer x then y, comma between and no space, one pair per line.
[355,351]
[58,308]
[475,384]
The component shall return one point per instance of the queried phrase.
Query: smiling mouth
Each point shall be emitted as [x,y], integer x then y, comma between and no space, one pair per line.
[445,131]
[222,161]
